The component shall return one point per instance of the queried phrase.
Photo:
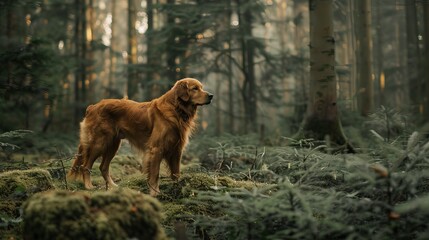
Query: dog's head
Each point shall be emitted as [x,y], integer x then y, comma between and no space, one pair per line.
[191,91]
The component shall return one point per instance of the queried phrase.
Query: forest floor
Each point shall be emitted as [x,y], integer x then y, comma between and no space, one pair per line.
[242,188]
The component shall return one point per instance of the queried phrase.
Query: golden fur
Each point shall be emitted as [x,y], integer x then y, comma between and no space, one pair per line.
[159,128]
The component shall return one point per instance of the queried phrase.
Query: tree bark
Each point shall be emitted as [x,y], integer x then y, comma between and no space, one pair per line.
[112,66]
[248,51]
[151,88]
[380,78]
[364,55]
[322,118]
[413,55]
[77,83]
[425,84]
[230,73]
[132,50]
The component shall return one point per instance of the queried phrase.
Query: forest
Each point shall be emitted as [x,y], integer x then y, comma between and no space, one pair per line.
[318,128]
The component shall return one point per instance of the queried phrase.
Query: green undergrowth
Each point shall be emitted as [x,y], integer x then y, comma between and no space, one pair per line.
[239,188]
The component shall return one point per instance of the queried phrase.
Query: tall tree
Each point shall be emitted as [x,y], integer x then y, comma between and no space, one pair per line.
[112,56]
[413,55]
[425,87]
[132,50]
[322,117]
[152,88]
[248,51]
[365,93]
[77,52]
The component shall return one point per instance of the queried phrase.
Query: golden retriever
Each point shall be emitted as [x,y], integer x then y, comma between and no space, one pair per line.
[159,128]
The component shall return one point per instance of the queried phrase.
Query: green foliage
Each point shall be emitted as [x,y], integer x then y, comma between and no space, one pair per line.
[12,134]
[282,192]
[323,196]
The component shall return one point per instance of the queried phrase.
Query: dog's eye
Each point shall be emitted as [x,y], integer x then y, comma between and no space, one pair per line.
[195,88]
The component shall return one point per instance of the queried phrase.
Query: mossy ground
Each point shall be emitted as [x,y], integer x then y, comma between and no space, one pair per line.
[61,201]
[228,184]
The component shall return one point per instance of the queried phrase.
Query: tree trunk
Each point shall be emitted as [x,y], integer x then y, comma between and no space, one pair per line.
[322,118]
[425,84]
[77,36]
[112,66]
[379,57]
[83,60]
[230,73]
[152,88]
[413,54]
[302,71]
[171,52]
[364,55]
[132,50]
[248,52]
[89,58]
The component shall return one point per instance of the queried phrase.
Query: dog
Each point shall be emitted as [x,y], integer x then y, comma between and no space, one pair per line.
[160,129]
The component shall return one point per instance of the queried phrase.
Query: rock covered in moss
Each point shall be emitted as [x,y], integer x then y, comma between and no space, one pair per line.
[116,214]
[17,185]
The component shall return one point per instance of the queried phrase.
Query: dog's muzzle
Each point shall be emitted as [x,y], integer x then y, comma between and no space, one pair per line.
[209,98]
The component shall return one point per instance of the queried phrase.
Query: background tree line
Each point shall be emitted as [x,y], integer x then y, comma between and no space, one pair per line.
[59,56]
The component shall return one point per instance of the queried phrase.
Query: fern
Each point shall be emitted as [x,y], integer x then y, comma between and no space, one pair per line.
[12,134]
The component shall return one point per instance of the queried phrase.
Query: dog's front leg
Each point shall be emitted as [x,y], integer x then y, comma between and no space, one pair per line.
[174,165]
[151,163]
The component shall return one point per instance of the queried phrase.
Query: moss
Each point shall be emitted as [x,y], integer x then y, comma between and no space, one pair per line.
[17,185]
[188,185]
[116,214]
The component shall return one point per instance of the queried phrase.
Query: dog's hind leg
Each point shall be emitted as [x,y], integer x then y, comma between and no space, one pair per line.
[90,156]
[74,171]
[107,157]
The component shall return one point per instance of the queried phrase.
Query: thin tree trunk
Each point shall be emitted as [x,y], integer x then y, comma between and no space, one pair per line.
[89,58]
[83,54]
[366,88]
[77,34]
[379,56]
[152,89]
[9,34]
[413,54]
[302,75]
[425,84]
[230,81]
[132,50]
[322,119]
[171,52]
[112,66]
[248,52]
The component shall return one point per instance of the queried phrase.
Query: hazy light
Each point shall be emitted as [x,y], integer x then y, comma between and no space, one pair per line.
[61,45]
[141,26]
[124,54]
[107,30]
[234,19]
[420,37]
[102,5]
[382,81]
[28,19]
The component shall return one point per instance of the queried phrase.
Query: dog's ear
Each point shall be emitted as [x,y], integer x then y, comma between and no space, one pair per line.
[181,88]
